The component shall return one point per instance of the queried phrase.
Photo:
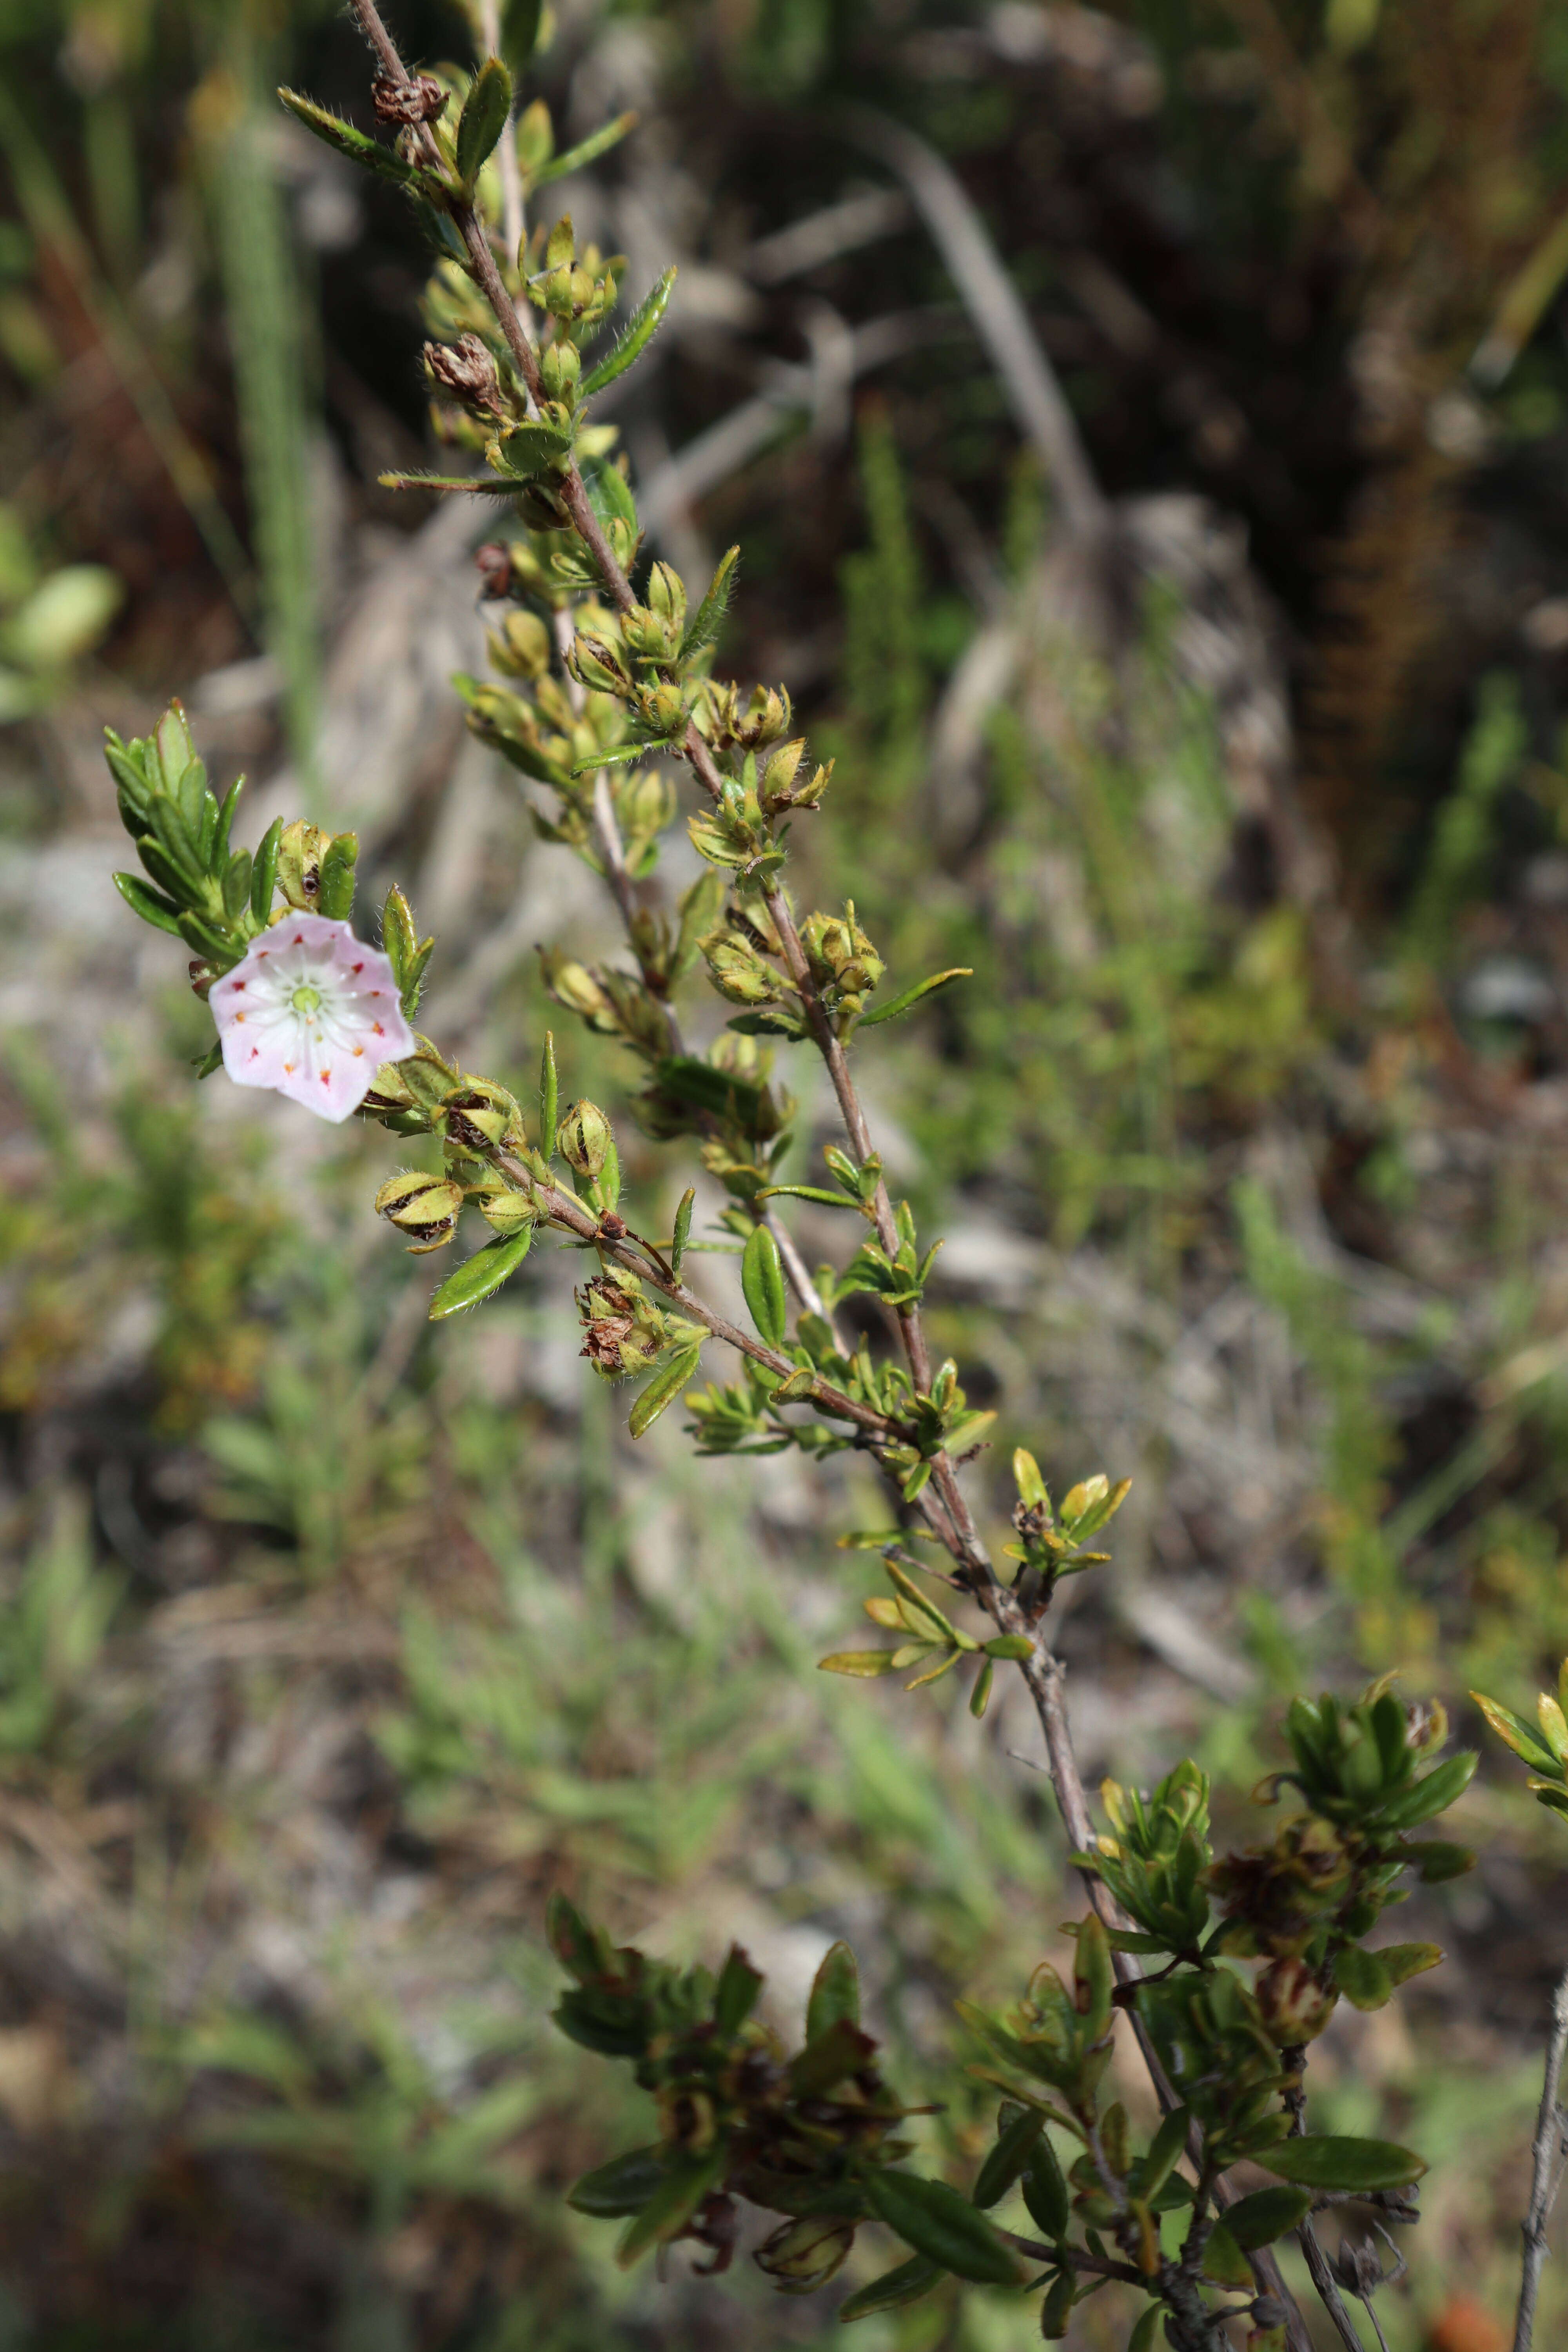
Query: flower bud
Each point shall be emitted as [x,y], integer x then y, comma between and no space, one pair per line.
[1294,2005]
[426,1206]
[583,1138]
[560,369]
[738,972]
[779,775]
[300,853]
[767,715]
[803,2255]
[506,1210]
[520,646]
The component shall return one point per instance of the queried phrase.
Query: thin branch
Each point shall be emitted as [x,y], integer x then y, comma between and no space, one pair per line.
[1551,2148]
[1294,2061]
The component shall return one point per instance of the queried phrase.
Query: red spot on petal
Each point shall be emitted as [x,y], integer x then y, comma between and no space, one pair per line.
[297,940]
[256,1052]
[325,1076]
[238,986]
[379,1030]
[356,967]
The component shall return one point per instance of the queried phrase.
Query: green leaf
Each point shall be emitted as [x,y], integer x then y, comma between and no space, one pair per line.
[944,2227]
[1430,1796]
[905,2285]
[518,33]
[1513,1730]
[910,997]
[1010,1645]
[150,904]
[484,485]
[1362,1978]
[527,449]
[686,2182]
[481,1274]
[1056,2312]
[622,2186]
[1323,2160]
[735,1994]
[639,332]
[830,2059]
[1437,1860]
[806,1192]
[865,1664]
[1224,2262]
[264,872]
[330,127]
[663,1389]
[483,119]
[762,1279]
[587,151]
[705,624]
[1403,1962]
[1009,2159]
[1142,2337]
[1046,2190]
[835,1991]
[1166,2151]
[682,1231]
[335,887]
[1269,2213]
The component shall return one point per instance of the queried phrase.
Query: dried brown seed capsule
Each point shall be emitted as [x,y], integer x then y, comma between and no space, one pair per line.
[420,99]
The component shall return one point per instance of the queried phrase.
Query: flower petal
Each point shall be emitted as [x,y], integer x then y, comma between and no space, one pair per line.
[323,1054]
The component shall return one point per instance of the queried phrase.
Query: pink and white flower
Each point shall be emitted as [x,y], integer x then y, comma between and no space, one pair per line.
[311,1012]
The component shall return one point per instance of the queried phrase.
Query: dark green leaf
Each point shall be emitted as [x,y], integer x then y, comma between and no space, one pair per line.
[1431,1796]
[762,1279]
[944,2227]
[1437,1860]
[622,2186]
[153,907]
[1267,2214]
[663,1389]
[735,1994]
[686,2182]
[639,332]
[370,152]
[483,119]
[835,1995]
[335,887]
[1046,2190]
[527,449]
[905,2285]
[829,2058]
[1322,2160]
[587,151]
[264,872]
[1007,2161]
[609,492]
[910,997]
[1362,1978]
[1224,2261]
[549,1096]
[481,1274]
[518,33]
[804,1191]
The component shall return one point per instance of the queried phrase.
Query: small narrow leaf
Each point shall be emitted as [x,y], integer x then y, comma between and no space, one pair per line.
[905,2285]
[910,997]
[1516,1733]
[549,1096]
[479,1276]
[682,1231]
[1323,2160]
[762,1279]
[1224,2262]
[944,2227]
[623,2186]
[663,1389]
[1257,2220]
[150,904]
[518,33]
[835,1995]
[863,1663]
[639,332]
[335,132]
[587,151]
[1008,2160]
[483,119]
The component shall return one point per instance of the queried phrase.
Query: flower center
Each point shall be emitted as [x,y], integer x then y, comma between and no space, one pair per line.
[306,999]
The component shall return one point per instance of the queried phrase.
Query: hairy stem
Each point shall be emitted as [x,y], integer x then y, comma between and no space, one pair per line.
[1551,2148]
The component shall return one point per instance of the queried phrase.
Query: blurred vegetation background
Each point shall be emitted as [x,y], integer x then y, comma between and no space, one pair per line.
[328,1645]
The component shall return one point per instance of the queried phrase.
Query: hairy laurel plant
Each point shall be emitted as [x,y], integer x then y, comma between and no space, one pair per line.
[1223,1968]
